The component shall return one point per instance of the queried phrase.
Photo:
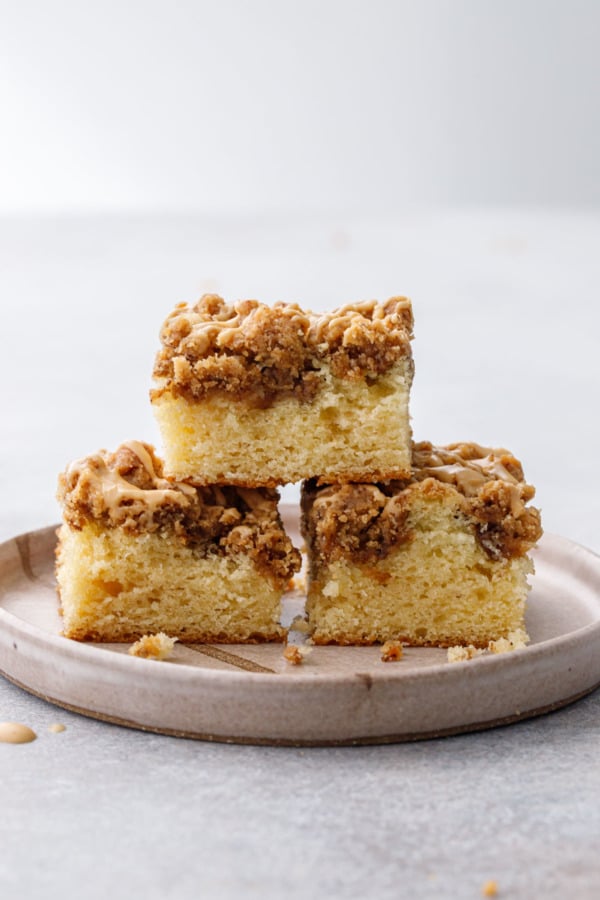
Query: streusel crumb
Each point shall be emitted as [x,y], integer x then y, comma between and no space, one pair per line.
[263,352]
[363,522]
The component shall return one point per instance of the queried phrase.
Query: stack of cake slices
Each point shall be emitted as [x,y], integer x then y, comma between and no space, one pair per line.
[404,541]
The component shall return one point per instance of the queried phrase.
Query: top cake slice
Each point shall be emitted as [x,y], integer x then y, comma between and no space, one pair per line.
[255,395]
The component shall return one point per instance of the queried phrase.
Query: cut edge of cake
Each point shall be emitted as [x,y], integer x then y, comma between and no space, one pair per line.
[139,554]
[437,560]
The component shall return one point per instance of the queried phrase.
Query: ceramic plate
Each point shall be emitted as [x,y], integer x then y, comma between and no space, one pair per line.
[339,695]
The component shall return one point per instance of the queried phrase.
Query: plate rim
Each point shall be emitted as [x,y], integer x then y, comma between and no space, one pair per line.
[88,649]
[410,703]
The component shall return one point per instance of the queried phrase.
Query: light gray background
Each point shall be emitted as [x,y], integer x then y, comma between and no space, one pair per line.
[319,152]
[344,105]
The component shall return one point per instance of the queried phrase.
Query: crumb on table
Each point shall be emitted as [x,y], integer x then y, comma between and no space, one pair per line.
[153,646]
[489,889]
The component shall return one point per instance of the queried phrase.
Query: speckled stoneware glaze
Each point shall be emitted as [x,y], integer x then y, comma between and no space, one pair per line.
[339,695]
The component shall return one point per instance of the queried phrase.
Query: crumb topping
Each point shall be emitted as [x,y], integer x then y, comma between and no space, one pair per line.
[357,521]
[363,522]
[364,339]
[263,353]
[467,466]
[127,489]
[494,490]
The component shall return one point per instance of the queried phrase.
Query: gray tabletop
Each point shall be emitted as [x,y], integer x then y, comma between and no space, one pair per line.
[506,353]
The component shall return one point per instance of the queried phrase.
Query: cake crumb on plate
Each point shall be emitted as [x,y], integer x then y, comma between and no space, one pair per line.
[391,651]
[516,640]
[295,654]
[461,654]
[153,646]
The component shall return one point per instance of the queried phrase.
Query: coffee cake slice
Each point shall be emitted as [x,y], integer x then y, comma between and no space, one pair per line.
[138,554]
[435,560]
[257,395]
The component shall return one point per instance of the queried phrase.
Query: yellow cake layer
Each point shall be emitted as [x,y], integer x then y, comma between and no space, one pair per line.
[438,589]
[116,586]
[352,430]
